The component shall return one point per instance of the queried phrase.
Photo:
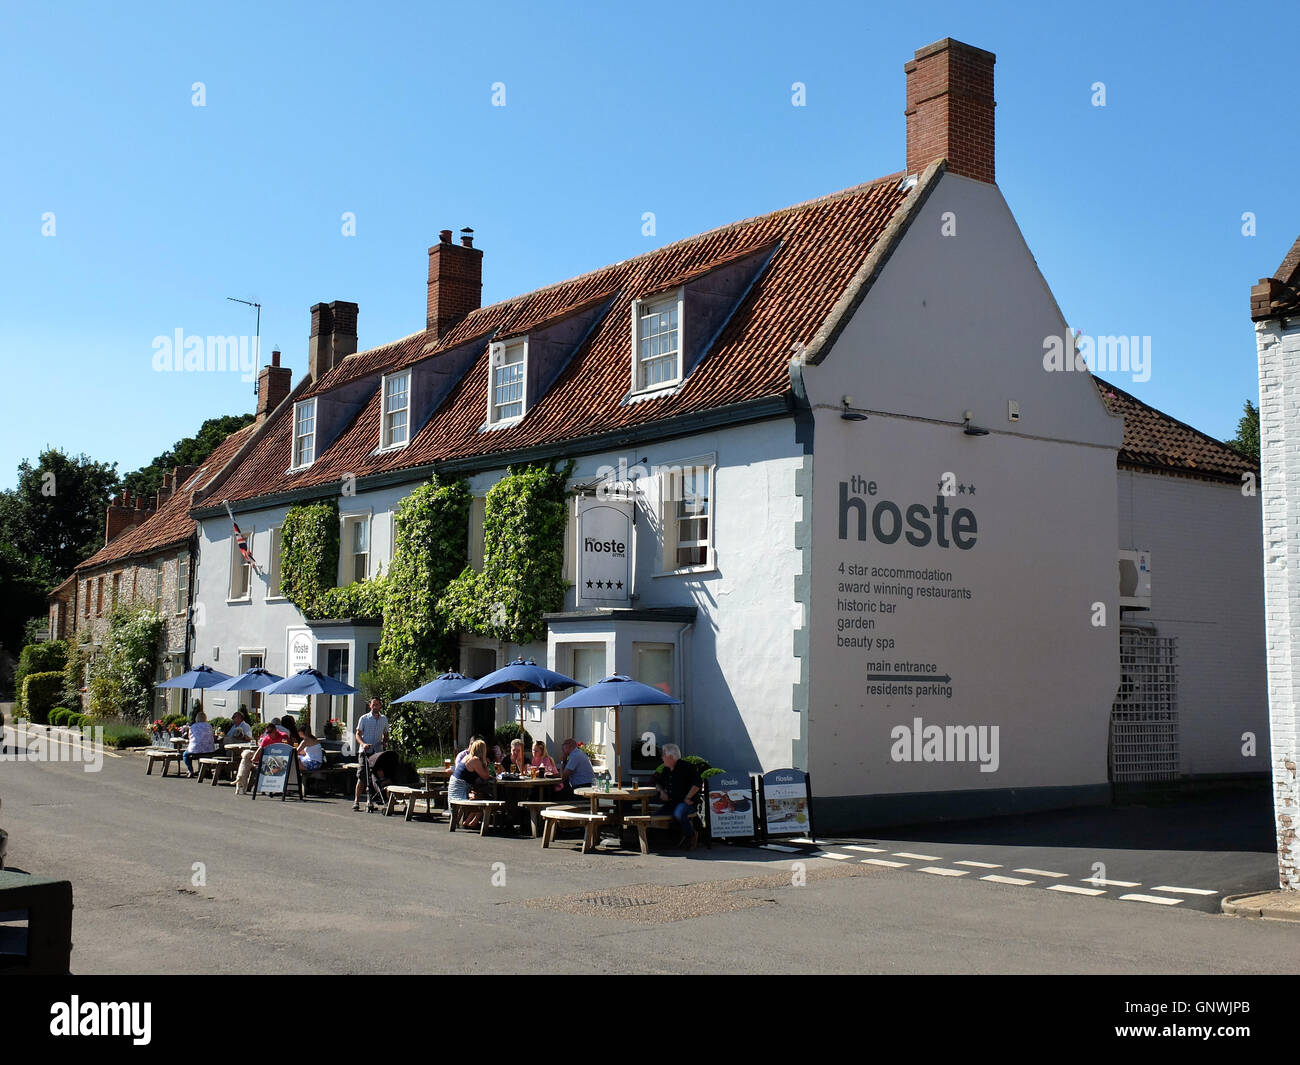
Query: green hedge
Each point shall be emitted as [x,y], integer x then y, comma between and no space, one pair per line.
[40,690]
[60,716]
[38,658]
[125,736]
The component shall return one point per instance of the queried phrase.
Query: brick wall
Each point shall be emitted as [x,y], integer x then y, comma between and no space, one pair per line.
[455,283]
[1279,435]
[950,109]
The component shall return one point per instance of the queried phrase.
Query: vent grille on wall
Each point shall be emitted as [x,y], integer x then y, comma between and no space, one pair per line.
[1144,716]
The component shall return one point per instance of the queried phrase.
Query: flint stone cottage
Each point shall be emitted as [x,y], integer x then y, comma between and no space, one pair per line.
[824,491]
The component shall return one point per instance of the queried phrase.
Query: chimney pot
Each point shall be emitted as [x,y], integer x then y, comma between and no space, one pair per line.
[444,236]
[467,237]
[275,358]
[950,109]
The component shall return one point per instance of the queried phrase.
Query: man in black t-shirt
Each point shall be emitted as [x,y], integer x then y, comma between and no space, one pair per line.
[679,788]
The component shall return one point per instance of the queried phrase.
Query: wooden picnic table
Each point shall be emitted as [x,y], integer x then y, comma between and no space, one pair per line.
[436,772]
[619,797]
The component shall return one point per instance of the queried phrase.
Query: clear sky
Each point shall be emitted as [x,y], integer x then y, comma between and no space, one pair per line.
[162,209]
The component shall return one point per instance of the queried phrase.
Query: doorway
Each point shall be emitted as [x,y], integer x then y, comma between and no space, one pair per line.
[483,712]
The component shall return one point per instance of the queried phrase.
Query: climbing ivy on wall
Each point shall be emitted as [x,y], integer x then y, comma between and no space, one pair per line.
[429,553]
[429,596]
[309,554]
[523,559]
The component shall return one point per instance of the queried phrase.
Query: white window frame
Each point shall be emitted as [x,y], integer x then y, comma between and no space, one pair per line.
[497,357]
[299,410]
[237,563]
[182,587]
[273,590]
[641,307]
[670,519]
[388,440]
[347,557]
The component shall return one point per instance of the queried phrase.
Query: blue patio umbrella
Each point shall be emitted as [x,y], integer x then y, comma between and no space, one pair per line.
[198,678]
[445,689]
[617,691]
[309,682]
[253,680]
[520,677]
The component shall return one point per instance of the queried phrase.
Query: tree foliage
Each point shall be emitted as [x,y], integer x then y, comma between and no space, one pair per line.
[189,451]
[1247,439]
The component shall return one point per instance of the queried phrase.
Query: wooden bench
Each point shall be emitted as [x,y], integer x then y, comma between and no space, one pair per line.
[644,822]
[590,824]
[216,768]
[489,808]
[410,796]
[166,757]
[535,808]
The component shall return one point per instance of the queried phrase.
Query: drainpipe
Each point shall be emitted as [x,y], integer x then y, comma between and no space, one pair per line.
[189,606]
[681,672]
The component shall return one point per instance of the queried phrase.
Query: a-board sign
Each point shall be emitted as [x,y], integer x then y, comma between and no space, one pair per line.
[787,803]
[731,806]
[279,763]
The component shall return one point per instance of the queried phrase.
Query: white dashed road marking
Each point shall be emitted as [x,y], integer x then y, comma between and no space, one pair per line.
[1111,883]
[1007,880]
[881,861]
[1077,890]
[866,850]
[1156,899]
[1041,872]
[1186,890]
[980,865]
[940,871]
[778,847]
[832,854]
[917,857]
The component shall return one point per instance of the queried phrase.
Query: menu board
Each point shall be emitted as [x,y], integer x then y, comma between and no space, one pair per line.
[731,806]
[273,772]
[787,808]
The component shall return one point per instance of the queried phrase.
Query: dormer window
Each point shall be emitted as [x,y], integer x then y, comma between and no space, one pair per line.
[304,433]
[657,342]
[506,400]
[397,409]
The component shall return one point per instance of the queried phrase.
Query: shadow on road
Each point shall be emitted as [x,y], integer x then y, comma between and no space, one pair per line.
[1235,821]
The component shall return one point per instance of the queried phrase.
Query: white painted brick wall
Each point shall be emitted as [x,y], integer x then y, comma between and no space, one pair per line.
[1207,590]
[1279,432]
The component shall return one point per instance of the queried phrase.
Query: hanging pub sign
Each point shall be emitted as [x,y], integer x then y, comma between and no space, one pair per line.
[604,552]
[278,765]
[300,652]
[786,796]
[731,806]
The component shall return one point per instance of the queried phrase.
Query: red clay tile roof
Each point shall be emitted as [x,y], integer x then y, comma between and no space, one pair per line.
[171,523]
[819,247]
[1153,440]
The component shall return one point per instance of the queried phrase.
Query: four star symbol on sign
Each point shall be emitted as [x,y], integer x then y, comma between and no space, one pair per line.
[605,584]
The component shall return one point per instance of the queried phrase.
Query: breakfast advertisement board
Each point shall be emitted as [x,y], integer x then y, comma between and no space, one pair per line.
[731,806]
[273,770]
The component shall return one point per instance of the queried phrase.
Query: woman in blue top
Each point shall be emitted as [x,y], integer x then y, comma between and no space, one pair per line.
[310,754]
[470,772]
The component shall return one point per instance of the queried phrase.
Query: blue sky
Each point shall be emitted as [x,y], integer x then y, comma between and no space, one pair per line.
[163,209]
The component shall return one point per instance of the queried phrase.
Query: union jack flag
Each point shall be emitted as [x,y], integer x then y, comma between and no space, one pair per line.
[241,541]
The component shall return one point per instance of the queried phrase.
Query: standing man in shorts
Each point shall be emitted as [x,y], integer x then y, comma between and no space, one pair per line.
[371,737]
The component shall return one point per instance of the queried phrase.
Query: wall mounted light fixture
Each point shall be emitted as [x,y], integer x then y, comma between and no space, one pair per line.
[972,430]
[847,413]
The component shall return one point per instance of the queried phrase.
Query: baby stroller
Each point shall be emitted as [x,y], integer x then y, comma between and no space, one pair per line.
[377,772]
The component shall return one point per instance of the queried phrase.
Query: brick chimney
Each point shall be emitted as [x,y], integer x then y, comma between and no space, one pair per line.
[164,492]
[455,281]
[123,513]
[272,386]
[333,337]
[950,109]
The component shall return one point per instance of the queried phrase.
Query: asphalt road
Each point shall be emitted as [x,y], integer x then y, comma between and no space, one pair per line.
[170,876]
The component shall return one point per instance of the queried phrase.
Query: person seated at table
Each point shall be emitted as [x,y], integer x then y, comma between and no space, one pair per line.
[516,761]
[239,731]
[251,759]
[290,728]
[577,771]
[542,761]
[679,789]
[461,756]
[468,778]
[202,741]
[310,753]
